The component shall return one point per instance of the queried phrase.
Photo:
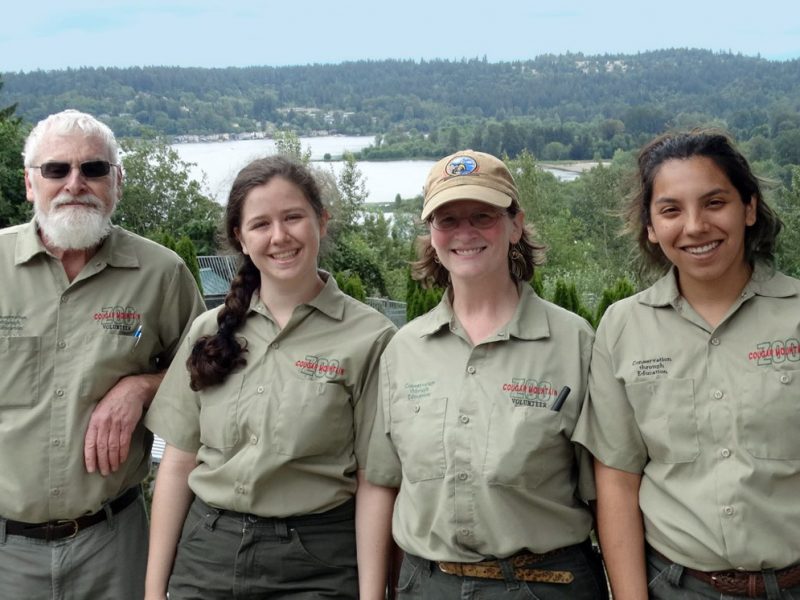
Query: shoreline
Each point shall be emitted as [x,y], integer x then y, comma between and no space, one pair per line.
[574,166]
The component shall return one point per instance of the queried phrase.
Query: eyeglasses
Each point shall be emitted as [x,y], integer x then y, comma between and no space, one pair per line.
[479,220]
[91,169]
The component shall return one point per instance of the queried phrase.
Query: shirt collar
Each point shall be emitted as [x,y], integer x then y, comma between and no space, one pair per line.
[765,281]
[528,323]
[116,249]
[330,301]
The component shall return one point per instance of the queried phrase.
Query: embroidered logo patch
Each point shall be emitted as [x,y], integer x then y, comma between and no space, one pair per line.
[775,352]
[648,367]
[420,390]
[529,392]
[121,319]
[461,165]
[12,324]
[319,366]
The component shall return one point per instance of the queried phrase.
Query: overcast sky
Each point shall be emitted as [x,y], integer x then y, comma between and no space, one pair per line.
[50,34]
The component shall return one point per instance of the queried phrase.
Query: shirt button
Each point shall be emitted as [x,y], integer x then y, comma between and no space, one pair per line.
[471,370]
[260,389]
[63,299]
[59,392]
[718,394]
[462,476]
[715,341]
[725,453]
[728,510]
[55,492]
[465,532]
[785,378]
[62,344]
[254,439]
[275,345]
[56,442]
[416,408]
[464,419]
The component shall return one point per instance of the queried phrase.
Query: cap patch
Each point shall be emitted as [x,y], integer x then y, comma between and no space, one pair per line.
[461,165]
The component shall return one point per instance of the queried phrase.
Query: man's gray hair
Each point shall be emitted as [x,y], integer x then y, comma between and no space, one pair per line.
[65,122]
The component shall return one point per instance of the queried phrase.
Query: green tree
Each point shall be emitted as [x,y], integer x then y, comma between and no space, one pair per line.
[566,296]
[788,207]
[621,289]
[787,147]
[288,144]
[596,202]
[537,283]
[352,254]
[350,284]
[165,239]
[13,206]
[352,195]
[186,250]
[159,195]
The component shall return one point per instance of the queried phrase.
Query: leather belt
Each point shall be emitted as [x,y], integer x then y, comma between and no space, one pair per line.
[521,564]
[69,528]
[749,584]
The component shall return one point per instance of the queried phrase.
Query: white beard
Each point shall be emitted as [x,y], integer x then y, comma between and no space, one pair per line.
[74,227]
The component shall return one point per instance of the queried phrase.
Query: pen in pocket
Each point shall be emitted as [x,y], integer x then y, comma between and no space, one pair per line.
[137,334]
[562,396]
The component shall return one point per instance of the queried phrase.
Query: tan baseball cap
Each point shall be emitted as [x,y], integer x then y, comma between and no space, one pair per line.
[469,175]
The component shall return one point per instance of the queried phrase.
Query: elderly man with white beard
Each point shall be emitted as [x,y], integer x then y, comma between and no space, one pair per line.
[90,317]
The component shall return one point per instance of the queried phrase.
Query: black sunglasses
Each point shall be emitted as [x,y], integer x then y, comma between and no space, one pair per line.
[91,169]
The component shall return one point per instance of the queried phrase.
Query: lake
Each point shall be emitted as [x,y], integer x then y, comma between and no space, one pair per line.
[220,161]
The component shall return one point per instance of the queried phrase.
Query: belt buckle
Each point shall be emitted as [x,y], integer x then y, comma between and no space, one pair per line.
[451,568]
[744,583]
[75,526]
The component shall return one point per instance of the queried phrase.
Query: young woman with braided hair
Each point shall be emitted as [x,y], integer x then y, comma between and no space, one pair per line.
[267,419]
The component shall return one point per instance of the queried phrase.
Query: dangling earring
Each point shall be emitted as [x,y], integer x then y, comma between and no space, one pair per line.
[515,262]
[436,258]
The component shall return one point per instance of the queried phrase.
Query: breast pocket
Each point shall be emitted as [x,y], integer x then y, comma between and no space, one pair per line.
[418,433]
[769,408]
[21,362]
[219,427]
[525,447]
[665,413]
[314,418]
[107,357]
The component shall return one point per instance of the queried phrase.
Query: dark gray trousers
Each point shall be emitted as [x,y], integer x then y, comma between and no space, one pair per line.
[234,556]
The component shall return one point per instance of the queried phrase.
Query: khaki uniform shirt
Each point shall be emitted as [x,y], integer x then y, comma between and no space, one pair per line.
[484,466]
[62,347]
[709,416]
[285,434]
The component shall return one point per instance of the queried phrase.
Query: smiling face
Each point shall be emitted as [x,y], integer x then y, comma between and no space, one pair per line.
[698,219]
[281,233]
[470,253]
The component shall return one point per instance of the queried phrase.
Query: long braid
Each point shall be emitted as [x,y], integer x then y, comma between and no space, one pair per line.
[214,357]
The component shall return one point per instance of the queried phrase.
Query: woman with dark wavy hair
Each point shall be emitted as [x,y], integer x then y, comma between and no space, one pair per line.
[479,398]
[261,492]
[694,406]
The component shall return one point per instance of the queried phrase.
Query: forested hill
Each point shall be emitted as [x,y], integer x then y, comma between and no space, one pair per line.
[636,94]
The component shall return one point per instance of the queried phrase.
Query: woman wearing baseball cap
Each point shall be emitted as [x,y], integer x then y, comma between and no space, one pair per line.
[478,400]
